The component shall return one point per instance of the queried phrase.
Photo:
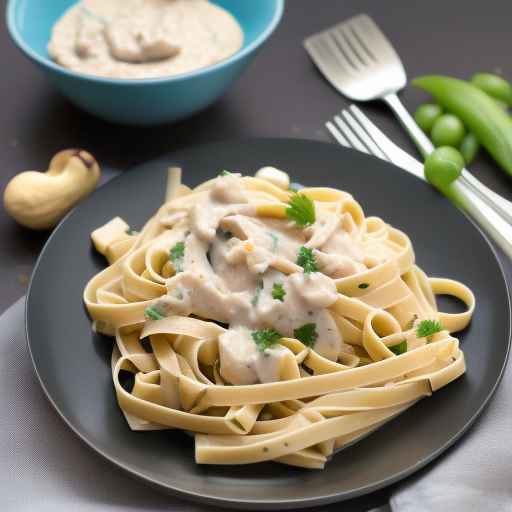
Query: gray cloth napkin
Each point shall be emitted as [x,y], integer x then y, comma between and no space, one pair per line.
[44,467]
[475,474]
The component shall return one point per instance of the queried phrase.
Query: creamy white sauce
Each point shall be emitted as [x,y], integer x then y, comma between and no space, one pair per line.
[226,197]
[346,243]
[325,227]
[228,259]
[242,363]
[305,302]
[229,277]
[143,38]
[337,265]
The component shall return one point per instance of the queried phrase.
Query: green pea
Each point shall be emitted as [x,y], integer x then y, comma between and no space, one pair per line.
[443,166]
[448,130]
[426,115]
[469,147]
[477,110]
[494,85]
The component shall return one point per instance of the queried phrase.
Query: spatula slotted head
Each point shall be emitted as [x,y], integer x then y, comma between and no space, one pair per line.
[357,59]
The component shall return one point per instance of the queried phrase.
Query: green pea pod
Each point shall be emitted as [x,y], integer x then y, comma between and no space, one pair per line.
[491,125]
[494,85]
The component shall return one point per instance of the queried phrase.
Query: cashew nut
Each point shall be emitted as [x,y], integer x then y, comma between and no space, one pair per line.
[39,200]
[275,176]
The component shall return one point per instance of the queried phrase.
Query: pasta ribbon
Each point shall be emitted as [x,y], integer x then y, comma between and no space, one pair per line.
[270,335]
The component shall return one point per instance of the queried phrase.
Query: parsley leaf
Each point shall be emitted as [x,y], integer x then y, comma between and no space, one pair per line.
[427,328]
[400,348]
[363,286]
[278,292]
[307,334]
[265,338]
[301,210]
[306,259]
[225,173]
[151,313]
[176,256]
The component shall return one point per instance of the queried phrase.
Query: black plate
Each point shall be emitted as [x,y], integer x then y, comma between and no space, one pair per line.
[73,364]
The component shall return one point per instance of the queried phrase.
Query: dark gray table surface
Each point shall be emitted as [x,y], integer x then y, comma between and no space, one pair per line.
[280,95]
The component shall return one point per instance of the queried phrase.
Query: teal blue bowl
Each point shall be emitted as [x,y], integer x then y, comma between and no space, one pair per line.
[148,101]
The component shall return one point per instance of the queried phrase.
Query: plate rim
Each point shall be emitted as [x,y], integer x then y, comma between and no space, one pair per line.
[271,504]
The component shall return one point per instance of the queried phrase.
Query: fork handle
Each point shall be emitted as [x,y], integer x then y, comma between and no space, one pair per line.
[425,146]
[489,220]
[499,203]
[422,142]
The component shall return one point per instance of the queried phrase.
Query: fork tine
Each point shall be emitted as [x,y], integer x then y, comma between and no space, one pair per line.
[364,136]
[340,138]
[390,151]
[337,135]
[349,134]
[381,140]
[394,153]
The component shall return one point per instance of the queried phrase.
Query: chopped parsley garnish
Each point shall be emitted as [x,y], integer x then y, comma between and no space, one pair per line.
[399,348]
[278,292]
[176,256]
[307,334]
[363,286]
[427,328]
[153,314]
[301,210]
[275,240]
[265,338]
[256,298]
[225,173]
[306,259]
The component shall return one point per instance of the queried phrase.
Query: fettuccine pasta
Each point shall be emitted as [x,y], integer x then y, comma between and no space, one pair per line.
[269,323]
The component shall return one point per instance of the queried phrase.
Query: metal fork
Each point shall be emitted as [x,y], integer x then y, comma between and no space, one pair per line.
[360,62]
[353,129]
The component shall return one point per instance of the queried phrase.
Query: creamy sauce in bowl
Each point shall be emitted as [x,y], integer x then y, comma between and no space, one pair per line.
[138,39]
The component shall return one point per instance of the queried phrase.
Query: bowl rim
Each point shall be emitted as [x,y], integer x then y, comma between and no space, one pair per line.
[48,63]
